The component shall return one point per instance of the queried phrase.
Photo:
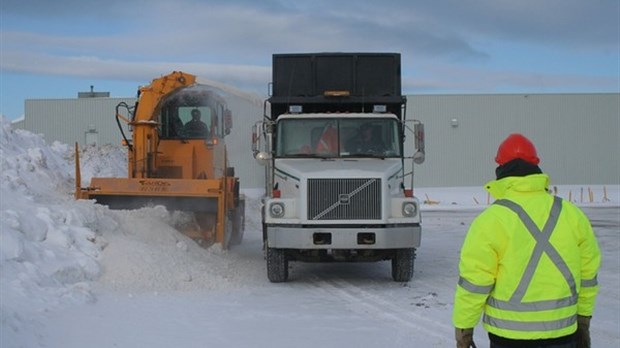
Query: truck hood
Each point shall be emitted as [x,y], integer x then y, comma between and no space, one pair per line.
[299,169]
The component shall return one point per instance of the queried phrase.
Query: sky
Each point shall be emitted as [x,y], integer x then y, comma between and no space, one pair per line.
[55,49]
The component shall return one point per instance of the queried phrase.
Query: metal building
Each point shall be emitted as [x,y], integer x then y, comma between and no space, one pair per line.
[577,135]
[84,120]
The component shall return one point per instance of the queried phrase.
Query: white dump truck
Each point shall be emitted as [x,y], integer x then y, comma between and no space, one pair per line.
[339,186]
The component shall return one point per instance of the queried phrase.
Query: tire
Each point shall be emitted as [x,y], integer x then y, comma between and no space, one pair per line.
[228,231]
[402,265]
[277,265]
[238,224]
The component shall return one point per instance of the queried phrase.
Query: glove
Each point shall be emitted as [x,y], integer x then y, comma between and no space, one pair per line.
[464,338]
[583,331]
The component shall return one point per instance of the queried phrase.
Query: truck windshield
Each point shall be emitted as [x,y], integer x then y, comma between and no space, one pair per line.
[338,137]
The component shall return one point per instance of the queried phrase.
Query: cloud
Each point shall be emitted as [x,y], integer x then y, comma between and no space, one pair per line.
[69,8]
[221,31]
[235,34]
[232,41]
[465,80]
[566,23]
[254,78]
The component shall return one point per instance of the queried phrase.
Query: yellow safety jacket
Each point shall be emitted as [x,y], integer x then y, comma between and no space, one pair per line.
[528,263]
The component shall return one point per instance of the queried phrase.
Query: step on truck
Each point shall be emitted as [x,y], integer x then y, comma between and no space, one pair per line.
[339,174]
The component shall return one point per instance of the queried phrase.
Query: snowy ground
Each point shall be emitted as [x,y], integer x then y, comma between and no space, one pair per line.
[75,274]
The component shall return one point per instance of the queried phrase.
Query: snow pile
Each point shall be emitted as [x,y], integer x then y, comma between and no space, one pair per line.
[52,246]
[49,243]
[147,254]
[103,162]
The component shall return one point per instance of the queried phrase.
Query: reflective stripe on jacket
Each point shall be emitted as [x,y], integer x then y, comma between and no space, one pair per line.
[528,262]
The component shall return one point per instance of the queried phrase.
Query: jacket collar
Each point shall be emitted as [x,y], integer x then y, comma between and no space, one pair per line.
[508,186]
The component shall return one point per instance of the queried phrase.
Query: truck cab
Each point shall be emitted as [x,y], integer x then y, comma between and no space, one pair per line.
[333,147]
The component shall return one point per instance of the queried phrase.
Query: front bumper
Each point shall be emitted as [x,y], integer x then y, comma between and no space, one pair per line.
[337,237]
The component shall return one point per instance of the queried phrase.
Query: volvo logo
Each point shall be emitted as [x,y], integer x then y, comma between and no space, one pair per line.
[344,198]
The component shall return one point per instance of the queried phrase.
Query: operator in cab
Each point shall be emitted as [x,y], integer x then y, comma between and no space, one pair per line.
[367,142]
[195,127]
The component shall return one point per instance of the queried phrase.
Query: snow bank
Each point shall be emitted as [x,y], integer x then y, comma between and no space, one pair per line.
[103,162]
[49,243]
[55,250]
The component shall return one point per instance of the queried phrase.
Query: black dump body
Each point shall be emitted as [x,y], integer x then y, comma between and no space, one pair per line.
[367,79]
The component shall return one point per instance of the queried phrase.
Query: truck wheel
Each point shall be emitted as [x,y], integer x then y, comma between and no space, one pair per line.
[402,265]
[277,265]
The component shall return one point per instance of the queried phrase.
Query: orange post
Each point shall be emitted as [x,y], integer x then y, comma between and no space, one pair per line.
[78,174]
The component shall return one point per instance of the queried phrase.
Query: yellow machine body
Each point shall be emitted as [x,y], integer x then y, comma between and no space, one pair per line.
[169,165]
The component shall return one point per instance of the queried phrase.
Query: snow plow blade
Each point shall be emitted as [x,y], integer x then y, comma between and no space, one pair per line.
[209,200]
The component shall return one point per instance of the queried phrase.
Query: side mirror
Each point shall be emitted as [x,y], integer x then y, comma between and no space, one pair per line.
[256,134]
[418,157]
[261,132]
[262,158]
[418,132]
[228,122]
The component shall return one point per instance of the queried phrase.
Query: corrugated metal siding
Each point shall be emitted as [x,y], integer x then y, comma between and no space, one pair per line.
[239,142]
[68,120]
[577,136]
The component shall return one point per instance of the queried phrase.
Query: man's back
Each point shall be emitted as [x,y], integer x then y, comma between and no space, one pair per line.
[195,128]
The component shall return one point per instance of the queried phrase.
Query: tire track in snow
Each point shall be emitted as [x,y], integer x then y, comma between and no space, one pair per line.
[378,306]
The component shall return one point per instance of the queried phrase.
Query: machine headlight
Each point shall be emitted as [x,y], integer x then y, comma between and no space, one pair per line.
[276,210]
[409,209]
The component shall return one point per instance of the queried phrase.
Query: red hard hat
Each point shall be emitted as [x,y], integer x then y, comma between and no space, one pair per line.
[516,146]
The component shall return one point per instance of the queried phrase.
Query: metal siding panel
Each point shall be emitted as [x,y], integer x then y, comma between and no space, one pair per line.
[245,113]
[576,136]
[67,120]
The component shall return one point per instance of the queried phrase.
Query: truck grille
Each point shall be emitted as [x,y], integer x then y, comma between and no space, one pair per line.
[344,199]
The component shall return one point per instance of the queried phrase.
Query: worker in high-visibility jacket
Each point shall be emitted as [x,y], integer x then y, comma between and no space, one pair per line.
[529,262]
[328,142]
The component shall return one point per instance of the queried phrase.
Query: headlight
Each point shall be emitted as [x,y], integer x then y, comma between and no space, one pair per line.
[276,210]
[409,209]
